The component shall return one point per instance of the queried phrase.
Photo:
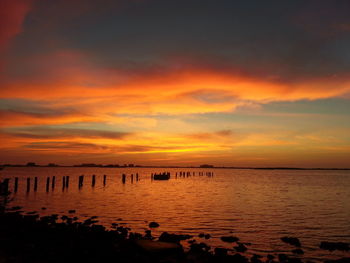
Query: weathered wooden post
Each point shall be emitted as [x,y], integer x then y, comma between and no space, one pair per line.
[123,178]
[93,180]
[47,184]
[81,181]
[137,177]
[132,178]
[104,180]
[35,183]
[151,176]
[16,184]
[53,182]
[28,184]
[63,182]
[4,186]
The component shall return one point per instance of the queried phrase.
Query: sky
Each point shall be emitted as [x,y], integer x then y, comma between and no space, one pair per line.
[175,82]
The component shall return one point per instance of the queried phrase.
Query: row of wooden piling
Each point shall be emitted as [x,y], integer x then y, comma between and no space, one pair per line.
[185,174]
[51,182]
[131,178]
[189,174]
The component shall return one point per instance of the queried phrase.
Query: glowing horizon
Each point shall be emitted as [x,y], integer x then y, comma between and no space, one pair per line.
[77,87]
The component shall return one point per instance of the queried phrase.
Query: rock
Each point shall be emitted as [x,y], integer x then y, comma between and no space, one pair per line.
[14,208]
[229,239]
[294,260]
[153,225]
[292,241]
[240,248]
[220,251]
[238,258]
[158,247]
[148,235]
[270,257]
[173,238]
[31,213]
[206,236]
[133,236]
[331,246]
[71,211]
[298,251]
[283,258]
[341,260]
[43,208]
[199,248]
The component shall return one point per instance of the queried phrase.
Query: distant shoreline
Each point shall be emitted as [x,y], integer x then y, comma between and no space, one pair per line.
[184,167]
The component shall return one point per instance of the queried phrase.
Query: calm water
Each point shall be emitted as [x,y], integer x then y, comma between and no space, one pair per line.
[258,206]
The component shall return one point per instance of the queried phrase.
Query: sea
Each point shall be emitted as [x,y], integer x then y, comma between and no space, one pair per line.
[258,206]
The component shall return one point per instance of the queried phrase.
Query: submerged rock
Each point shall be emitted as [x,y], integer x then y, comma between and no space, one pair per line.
[298,251]
[173,238]
[158,247]
[294,241]
[331,246]
[220,251]
[153,225]
[240,248]
[341,260]
[229,239]
[238,258]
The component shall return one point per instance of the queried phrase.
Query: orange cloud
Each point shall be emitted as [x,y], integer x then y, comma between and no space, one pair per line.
[73,81]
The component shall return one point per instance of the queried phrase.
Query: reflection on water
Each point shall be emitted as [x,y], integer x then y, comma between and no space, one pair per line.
[259,206]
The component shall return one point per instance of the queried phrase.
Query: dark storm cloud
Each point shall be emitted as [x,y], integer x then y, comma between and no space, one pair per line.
[38,132]
[32,108]
[286,40]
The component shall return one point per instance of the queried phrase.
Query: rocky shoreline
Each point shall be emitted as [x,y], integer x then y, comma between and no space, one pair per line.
[54,238]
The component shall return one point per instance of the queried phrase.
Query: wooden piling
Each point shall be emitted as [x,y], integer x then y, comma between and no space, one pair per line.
[16,185]
[104,180]
[93,180]
[132,178]
[28,184]
[53,182]
[4,186]
[35,184]
[137,177]
[47,184]
[123,178]
[67,181]
[63,182]
[81,181]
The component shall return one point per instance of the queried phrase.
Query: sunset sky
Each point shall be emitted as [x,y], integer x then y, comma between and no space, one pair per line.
[175,82]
